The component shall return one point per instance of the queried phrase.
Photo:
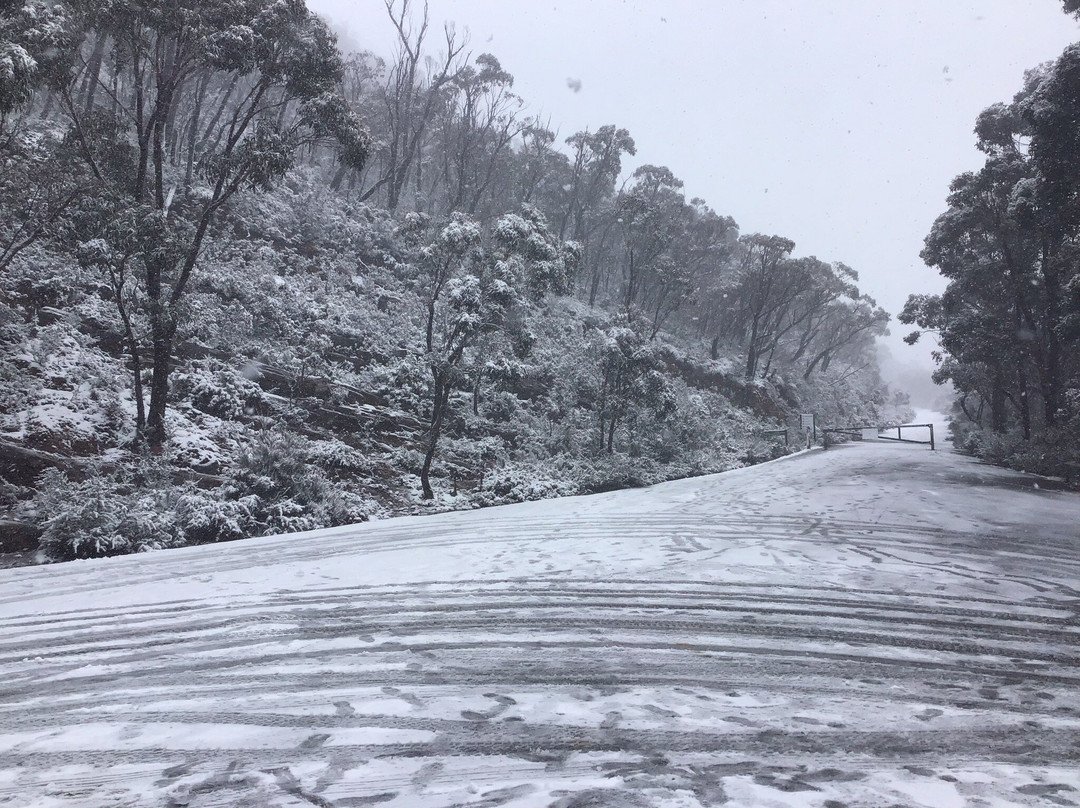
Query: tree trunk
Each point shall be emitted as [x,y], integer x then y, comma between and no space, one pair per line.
[1025,405]
[159,384]
[93,70]
[997,404]
[476,392]
[140,399]
[193,130]
[430,334]
[594,286]
[335,183]
[136,361]
[438,413]
[752,350]
[751,360]
[1052,372]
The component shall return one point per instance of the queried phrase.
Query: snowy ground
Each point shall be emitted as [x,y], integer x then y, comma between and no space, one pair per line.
[875,625]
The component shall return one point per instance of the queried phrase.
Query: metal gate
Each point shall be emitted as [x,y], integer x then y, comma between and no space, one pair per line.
[858,433]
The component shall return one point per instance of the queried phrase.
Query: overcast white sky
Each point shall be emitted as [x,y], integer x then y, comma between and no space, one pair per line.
[836,123]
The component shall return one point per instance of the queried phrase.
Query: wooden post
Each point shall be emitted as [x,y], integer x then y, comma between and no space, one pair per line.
[898,433]
[931,437]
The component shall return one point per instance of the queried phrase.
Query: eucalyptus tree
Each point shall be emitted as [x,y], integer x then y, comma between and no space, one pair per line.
[1008,243]
[480,120]
[38,183]
[587,212]
[473,288]
[652,217]
[763,286]
[17,64]
[541,171]
[281,70]
[1049,206]
[840,324]
[414,88]
[627,382]
[990,313]
[700,257]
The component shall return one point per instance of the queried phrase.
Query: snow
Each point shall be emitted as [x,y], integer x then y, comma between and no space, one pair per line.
[875,624]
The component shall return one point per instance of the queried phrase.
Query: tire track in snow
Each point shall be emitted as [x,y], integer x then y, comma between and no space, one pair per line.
[675,654]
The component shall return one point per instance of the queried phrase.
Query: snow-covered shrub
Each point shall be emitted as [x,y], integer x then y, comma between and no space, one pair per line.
[501,406]
[521,483]
[337,456]
[1052,452]
[218,389]
[759,450]
[611,472]
[284,492]
[141,506]
[199,441]
[206,518]
[107,514]
[404,383]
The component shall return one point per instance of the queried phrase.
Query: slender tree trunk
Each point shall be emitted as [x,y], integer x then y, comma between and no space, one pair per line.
[140,399]
[50,100]
[136,359]
[193,130]
[1052,374]
[1025,402]
[997,403]
[438,412]
[159,165]
[159,383]
[752,349]
[93,71]
[751,358]
[967,413]
[339,175]
[594,286]
[477,381]
[430,324]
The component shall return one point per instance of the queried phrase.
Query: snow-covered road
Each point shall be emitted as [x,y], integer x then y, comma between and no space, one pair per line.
[873,625]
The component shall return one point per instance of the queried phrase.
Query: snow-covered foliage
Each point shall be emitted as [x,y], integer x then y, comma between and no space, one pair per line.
[219,390]
[230,337]
[127,510]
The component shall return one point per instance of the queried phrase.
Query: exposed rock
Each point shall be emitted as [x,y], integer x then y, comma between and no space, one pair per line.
[21,465]
[18,537]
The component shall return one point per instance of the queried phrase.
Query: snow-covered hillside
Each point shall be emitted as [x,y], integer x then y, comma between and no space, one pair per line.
[876,624]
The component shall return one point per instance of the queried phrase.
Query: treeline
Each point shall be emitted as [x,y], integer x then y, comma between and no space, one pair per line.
[215,225]
[1008,324]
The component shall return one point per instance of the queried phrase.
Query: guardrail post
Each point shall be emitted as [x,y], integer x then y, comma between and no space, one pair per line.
[931,437]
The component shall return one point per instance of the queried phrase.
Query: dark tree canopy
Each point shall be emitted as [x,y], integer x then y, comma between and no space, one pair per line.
[1008,245]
